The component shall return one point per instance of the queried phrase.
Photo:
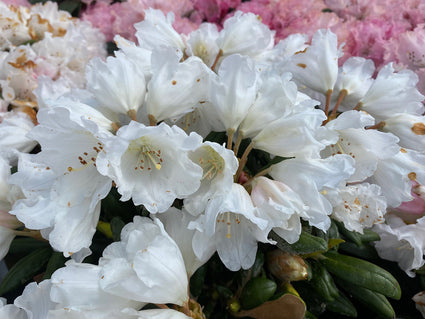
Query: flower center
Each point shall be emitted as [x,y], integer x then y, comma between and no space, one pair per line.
[147,156]
[211,162]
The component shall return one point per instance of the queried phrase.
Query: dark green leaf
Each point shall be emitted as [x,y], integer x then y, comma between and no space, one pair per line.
[25,269]
[56,261]
[257,291]
[307,244]
[25,245]
[362,273]
[117,225]
[342,305]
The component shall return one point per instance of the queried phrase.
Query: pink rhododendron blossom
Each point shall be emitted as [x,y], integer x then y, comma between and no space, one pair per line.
[367,38]
[17,3]
[411,211]
[290,17]
[100,15]
[408,51]
[214,10]
[120,17]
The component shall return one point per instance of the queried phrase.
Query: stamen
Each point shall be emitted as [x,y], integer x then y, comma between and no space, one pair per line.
[146,156]
[328,101]
[157,165]
[342,94]
[219,55]
[211,162]
[228,235]
[340,148]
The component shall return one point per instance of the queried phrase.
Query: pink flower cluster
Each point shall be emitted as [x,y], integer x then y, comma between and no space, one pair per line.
[381,30]
[119,17]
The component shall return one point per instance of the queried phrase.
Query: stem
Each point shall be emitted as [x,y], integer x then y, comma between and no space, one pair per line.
[237,144]
[132,113]
[376,126]
[230,133]
[162,306]
[32,233]
[342,94]
[358,106]
[115,126]
[243,160]
[261,173]
[219,55]
[328,101]
[152,120]
[186,309]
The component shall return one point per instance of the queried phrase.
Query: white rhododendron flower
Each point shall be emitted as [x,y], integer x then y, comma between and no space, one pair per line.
[104,80]
[218,166]
[175,88]
[156,30]
[281,206]
[309,178]
[393,93]
[231,227]
[358,206]
[316,67]
[151,165]
[238,32]
[402,243]
[233,91]
[146,265]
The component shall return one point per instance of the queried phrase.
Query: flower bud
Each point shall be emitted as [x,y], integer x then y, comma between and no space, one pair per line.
[286,267]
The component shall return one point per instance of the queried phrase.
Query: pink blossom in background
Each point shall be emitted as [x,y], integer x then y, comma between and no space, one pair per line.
[411,211]
[90,1]
[367,38]
[407,50]
[17,3]
[292,16]
[120,17]
[369,29]
[214,10]
[100,16]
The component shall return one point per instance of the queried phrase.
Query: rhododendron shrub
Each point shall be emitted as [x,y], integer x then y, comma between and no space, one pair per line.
[190,175]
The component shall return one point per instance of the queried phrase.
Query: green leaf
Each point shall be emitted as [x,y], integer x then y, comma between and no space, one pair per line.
[56,261]
[364,251]
[369,235]
[25,245]
[197,280]
[323,283]
[362,273]
[371,299]
[352,236]
[307,244]
[25,269]
[117,225]
[218,137]
[342,305]
[70,6]
[257,291]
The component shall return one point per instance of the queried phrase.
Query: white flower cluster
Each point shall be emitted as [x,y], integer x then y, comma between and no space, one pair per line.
[40,46]
[349,152]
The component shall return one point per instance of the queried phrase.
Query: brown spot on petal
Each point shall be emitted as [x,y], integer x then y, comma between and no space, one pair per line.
[22,63]
[301,51]
[403,150]
[174,82]
[302,65]
[356,201]
[418,128]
